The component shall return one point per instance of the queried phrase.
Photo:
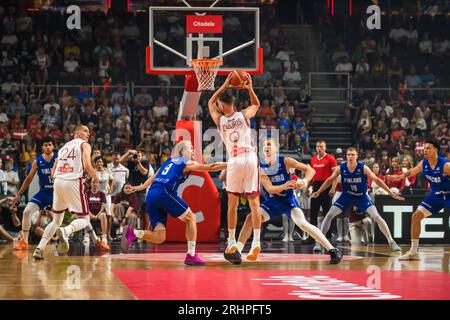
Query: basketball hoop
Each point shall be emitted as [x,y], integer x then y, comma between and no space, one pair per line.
[206,71]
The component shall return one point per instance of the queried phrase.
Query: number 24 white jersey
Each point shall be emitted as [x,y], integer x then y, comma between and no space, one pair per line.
[70,161]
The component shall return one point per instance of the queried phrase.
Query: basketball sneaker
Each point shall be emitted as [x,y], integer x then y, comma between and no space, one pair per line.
[193,260]
[317,248]
[64,240]
[254,251]
[232,254]
[21,245]
[101,245]
[410,256]
[335,256]
[394,246]
[38,254]
[127,238]
[346,239]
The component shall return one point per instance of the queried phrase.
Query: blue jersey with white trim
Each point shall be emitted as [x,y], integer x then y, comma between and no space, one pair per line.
[353,183]
[44,169]
[440,184]
[278,175]
[171,175]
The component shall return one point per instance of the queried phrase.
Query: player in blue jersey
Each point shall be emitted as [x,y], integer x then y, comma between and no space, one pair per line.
[277,182]
[436,170]
[42,165]
[354,176]
[162,197]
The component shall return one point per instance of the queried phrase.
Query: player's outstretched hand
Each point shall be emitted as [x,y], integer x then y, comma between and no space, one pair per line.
[134,189]
[314,194]
[13,200]
[227,80]
[291,184]
[249,82]
[397,197]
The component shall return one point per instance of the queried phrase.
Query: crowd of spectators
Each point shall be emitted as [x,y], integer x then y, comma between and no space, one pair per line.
[396,72]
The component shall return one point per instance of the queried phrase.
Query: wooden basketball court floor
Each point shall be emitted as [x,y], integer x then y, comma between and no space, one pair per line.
[284,272]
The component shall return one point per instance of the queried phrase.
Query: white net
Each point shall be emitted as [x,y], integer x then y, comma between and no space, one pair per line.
[206,71]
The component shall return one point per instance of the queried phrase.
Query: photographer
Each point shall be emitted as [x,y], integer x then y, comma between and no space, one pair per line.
[140,171]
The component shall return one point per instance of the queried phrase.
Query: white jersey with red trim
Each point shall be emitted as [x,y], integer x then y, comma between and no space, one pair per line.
[70,161]
[236,134]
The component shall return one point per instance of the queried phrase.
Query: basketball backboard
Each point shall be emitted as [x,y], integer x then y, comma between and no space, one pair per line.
[179,34]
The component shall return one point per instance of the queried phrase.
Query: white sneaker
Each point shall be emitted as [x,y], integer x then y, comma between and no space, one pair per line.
[346,238]
[317,248]
[394,247]
[86,241]
[410,256]
[339,239]
[285,239]
[291,238]
[231,247]
[64,241]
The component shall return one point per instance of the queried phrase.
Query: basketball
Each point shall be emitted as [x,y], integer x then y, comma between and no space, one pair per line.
[239,79]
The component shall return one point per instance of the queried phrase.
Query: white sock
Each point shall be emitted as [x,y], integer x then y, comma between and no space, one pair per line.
[299,218]
[414,245]
[191,248]
[256,235]
[372,211]
[138,233]
[240,246]
[76,225]
[319,222]
[50,230]
[339,226]
[26,219]
[346,226]
[48,234]
[231,234]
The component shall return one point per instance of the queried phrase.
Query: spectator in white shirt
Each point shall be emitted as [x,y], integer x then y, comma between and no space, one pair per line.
[3,184]
[398,34]
[344,65]
[411,35]
[120,174]
[71,65]
[383,106]
[161,132]
[285,53]
[160,108]
[11,177]
[51,103]
[426,45]
[292,74]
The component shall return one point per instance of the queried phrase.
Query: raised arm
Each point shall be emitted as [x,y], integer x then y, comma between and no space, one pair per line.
[124,159]
[87,164]
[372,176]
[411,172]
[307,169]
[195,166]
[327,182]
[270,188]
[251,110]
[212,103]
[25,184]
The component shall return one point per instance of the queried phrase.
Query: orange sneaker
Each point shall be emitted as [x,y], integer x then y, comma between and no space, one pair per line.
[21,245]
[100,244]
[254,251]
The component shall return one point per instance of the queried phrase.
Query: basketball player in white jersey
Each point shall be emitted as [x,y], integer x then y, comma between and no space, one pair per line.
[74,158]
[242,168]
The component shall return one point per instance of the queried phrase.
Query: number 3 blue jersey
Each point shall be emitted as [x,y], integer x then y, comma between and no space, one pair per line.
[354,183]
[170,175]
[44,169]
